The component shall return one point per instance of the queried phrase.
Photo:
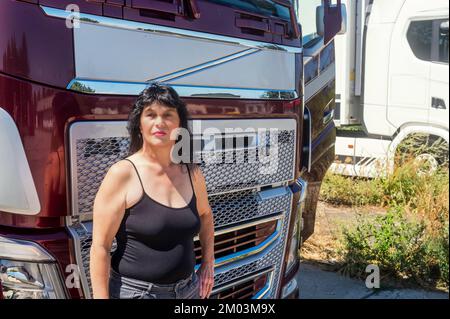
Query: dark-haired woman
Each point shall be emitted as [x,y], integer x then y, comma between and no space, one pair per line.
[154,207]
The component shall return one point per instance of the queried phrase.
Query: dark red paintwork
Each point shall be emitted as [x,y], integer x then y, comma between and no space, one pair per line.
[40,48]
[33,46]
[155,12]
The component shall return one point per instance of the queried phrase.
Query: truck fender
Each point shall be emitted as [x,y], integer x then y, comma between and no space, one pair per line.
[409,129]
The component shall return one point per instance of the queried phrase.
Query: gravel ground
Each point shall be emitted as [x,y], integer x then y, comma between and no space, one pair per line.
[316,283]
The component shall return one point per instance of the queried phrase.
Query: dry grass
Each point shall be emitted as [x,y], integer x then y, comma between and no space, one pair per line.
[325,245]
[399,222]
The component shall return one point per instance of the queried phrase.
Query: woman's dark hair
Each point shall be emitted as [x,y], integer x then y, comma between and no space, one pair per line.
[164,95]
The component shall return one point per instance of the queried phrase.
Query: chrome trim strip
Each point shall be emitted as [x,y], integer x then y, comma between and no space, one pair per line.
[133,88]
[272,193]
[285,241]
[81,218]
[313,87]
[284,183]
[250,251]
[203,66]
[210,145]
[240,281]
[151,28]
[264,290]
[254,223]
[79,260]
[328,117]
[308,113]
[304,187]
[106,87]
[289,288]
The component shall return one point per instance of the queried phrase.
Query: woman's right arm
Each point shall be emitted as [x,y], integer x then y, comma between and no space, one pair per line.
[108,211]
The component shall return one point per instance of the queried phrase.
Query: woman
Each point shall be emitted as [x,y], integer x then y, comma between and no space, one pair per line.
[154,208]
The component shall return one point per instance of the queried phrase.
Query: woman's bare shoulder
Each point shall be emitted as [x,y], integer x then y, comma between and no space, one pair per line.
[199,182]
[120,171]
[197,175]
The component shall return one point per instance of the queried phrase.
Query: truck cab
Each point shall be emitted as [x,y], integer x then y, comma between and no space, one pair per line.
[69,74]
[393,82]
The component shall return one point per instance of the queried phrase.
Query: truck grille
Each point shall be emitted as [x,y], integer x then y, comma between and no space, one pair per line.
[234,208]
[248,174]
[240,240]
[251,208]
[253,286]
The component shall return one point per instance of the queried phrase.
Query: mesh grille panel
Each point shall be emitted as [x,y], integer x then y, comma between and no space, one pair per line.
[233,190]
[258,171]
[93,157]
[234,208]
[243,290]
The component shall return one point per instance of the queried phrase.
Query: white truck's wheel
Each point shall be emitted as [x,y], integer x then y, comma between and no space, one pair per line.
[426,164]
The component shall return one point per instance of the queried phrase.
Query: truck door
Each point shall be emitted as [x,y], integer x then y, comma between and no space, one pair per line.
[409,69]
[319,133]
[439,83]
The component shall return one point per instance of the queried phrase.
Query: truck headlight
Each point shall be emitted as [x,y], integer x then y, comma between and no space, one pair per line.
[27,271]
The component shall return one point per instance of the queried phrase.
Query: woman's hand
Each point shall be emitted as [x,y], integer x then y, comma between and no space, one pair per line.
[206,275]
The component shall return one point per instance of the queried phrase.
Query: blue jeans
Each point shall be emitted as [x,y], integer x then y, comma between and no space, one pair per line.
[121,287]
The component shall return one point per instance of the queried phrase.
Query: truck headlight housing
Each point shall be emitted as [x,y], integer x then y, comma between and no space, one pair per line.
[27,271]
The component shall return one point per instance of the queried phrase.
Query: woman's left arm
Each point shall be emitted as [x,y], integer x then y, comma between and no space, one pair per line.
[206,235]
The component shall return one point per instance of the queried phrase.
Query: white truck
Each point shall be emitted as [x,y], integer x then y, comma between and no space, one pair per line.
[392,82]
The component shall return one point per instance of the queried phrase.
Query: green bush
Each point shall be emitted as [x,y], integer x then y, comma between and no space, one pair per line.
[438,255]
[391,242]
[412,239]
[342,190]
[401,248]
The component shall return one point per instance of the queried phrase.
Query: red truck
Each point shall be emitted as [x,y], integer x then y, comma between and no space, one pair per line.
[69,73]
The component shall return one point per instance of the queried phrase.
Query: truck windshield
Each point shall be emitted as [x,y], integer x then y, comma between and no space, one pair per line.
[262,7]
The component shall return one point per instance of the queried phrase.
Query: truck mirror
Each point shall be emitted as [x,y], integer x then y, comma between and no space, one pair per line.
[444,27]
[344,19]
[333,18]
[320,24]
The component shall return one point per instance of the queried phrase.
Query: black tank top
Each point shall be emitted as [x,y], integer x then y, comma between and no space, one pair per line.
[155,242]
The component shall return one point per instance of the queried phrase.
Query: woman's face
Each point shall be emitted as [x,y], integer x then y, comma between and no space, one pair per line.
[158,123]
